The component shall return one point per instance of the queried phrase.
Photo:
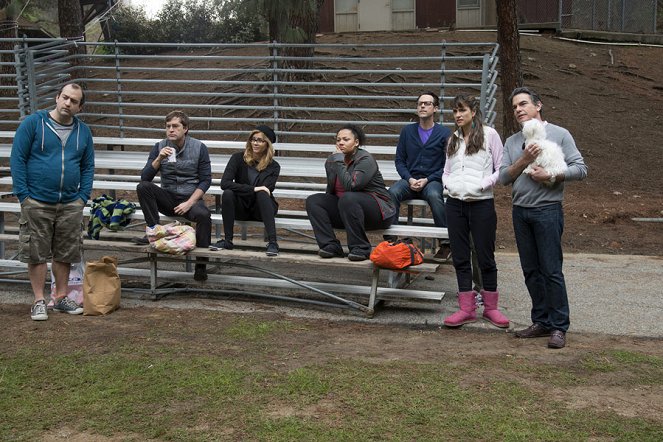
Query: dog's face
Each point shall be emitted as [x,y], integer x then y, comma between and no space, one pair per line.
[534,129]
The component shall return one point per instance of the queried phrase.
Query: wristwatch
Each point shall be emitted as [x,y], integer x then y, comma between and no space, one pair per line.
[552,179]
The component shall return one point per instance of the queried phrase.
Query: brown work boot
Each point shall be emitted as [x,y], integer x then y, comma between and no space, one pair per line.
[533,331]
[557,339]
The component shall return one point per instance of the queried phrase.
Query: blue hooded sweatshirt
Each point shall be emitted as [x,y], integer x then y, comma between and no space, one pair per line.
[44,169]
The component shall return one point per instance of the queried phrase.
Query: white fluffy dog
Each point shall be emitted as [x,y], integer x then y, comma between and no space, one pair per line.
[551,157]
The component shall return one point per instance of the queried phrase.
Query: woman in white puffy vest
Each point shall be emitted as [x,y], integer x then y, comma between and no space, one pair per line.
[474,155]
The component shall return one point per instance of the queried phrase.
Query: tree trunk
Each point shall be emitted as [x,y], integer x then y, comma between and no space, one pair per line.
[293,21]
[511,75]
[70,17]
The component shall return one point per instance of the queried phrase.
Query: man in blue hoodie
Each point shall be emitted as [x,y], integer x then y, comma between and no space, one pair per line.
[420,158]
[52,167]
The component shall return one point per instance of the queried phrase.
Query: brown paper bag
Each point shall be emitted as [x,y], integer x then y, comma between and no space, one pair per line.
[101,286]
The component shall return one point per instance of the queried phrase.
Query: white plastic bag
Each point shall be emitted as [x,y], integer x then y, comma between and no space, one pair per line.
[75,289]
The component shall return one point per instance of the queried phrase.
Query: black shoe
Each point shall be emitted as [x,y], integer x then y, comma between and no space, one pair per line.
[272,249]
[390,238]
[223,244]
[331,251]
[444,253]
[357,255]
[141,241]
[200,274]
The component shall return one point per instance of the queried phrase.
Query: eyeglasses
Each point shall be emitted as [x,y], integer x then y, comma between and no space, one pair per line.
[257,140]
[425,103]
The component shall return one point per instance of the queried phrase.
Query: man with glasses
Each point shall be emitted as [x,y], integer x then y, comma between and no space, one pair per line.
[186,174]
[420,158]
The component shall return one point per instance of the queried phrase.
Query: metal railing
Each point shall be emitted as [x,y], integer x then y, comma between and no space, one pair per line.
[303,91]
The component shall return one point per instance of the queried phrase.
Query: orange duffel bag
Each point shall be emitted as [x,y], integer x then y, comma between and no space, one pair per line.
[396,255]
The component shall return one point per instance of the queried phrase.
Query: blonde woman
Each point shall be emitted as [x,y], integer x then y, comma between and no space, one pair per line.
[248,185]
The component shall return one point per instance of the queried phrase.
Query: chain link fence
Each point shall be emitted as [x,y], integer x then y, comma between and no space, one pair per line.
[631,16]
[626,16]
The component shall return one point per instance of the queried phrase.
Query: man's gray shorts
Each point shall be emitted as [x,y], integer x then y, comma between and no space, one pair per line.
[50,231]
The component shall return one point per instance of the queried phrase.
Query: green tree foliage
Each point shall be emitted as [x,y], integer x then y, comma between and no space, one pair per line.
[189,21]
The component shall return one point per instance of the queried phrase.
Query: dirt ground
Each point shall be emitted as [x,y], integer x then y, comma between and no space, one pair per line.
[610,98]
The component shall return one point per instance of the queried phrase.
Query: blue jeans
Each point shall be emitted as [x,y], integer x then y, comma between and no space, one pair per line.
[433,193]
[538,233]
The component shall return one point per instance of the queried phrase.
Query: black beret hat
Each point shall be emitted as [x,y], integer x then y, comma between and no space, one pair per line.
[268,132]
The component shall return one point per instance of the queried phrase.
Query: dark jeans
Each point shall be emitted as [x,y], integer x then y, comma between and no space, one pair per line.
[154,200]
[261,207]
[355,212]
[467,221]
[539,238]
[433,193]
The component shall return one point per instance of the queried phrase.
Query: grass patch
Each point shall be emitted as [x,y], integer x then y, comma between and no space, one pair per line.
[167,390]
[639,368]
[250,330]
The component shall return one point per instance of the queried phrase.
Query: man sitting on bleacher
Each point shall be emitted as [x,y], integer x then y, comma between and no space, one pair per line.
[186,174]
[420,158]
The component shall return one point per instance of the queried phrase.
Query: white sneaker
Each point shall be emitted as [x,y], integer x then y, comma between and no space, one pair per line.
[38,311]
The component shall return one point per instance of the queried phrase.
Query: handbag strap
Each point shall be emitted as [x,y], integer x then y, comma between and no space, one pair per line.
[413,250]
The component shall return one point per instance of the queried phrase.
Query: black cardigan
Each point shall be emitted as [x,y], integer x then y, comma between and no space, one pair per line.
[236,177]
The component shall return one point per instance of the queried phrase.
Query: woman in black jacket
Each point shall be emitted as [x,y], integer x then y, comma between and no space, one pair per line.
[248,185]
[355,200]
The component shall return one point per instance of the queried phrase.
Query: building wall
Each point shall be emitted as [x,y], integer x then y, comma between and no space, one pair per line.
[435,13]
[483,14]
[326,23]
[427,14]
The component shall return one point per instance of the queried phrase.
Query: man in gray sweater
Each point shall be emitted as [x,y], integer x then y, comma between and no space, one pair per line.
[538,219]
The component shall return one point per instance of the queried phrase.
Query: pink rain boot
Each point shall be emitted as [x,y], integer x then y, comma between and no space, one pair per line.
[468,305]
[490,312]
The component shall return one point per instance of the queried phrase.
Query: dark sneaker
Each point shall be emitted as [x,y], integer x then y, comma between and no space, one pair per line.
[331,251]
[444,253]
[38,311]
[557,339]
[357,255]
[141,241]
[533,331]
[200,273]
[66,305]
[272,249]
[222,244]
[390,238]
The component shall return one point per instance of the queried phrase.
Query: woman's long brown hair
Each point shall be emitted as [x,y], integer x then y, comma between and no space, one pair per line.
[260,162]
[476,138]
